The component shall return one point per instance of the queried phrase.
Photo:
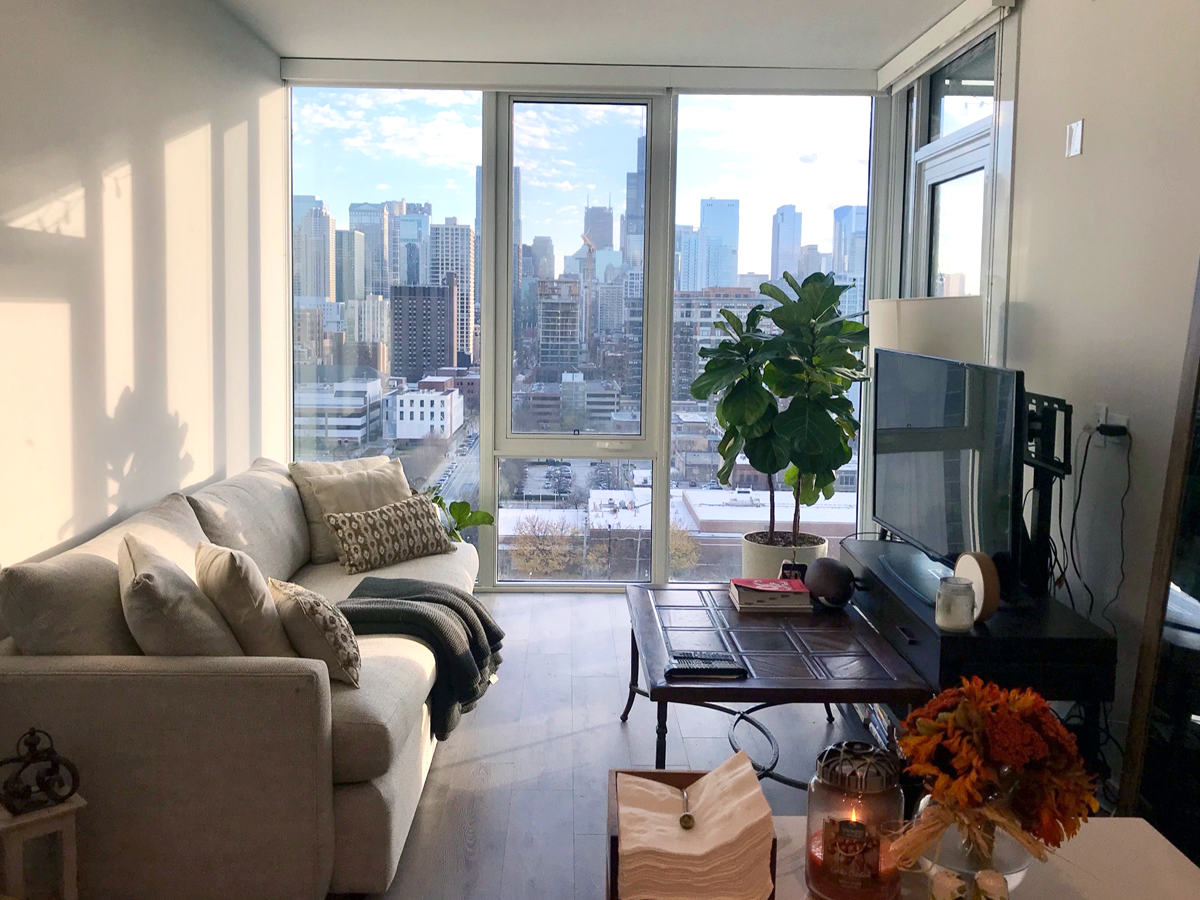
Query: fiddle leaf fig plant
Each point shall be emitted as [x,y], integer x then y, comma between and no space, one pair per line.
[782,392]
[459,515]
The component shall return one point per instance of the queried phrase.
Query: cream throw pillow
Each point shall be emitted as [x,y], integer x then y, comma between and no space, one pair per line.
[322,543]
[353,492]
[392,534]
[165,610]
[232,581]
[318,630]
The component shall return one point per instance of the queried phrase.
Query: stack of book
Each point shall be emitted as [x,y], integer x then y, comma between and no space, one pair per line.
[769,595]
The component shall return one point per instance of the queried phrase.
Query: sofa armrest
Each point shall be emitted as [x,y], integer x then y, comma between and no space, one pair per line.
[204,776]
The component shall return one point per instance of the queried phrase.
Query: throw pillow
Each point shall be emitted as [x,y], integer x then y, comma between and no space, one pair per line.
[352,492]
[69,605]
[318,630]
[392,534]
[322,543]
[166,611]
[232,581]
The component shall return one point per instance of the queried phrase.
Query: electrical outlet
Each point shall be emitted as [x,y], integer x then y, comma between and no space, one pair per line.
[1104,417]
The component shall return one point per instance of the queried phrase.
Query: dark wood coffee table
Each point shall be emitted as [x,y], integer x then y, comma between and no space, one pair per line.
[821,656]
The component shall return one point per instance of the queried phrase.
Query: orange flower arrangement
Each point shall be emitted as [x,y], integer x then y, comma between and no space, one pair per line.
[992,758]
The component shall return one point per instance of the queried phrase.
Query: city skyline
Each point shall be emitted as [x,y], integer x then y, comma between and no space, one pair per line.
[375,145]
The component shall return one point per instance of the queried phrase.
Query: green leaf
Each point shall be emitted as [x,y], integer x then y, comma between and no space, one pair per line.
[809,428]
[745,402]
[716,377]
[459,510]
[768,453]
[775,293]
[792,282]
[734,322]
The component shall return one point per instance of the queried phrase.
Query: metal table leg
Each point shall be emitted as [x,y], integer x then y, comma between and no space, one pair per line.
[660,747]
[634,664]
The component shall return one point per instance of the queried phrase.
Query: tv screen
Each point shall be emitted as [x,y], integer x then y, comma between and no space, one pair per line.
[948,456]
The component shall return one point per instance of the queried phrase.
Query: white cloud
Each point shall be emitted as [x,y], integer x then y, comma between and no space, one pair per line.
[383,187]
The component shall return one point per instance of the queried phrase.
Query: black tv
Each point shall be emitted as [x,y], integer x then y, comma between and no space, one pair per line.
[948,458]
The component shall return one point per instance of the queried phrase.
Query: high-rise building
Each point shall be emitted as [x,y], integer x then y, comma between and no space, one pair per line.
[351,266]
[635,312]
[369,320]
[558,327]
[372,220]
[598,226]
[408,246]
[424,328]
[543,258]
[850,240]
[719,226]
[688,274]
[302,203]
[754,279]
[314,265]
[452,250]
[811,260]
[517,261]
[785,241]
[633,221]
[478,276]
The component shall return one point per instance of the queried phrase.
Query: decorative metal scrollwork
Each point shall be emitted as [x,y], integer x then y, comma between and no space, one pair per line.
[41,778]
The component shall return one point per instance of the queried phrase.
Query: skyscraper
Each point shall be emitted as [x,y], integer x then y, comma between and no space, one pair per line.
[543,257]
[850,254]
[719,225]
[302,203]
[351,266]
[633,222]
[372,220]
[314,267]
[408,246]
[478,276]
[688,273]
[452,250]
[598,226]
[785,241]
[517,268]
[424,328]
[558,327]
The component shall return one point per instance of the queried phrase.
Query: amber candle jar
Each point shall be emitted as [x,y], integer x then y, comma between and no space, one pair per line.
[854,804]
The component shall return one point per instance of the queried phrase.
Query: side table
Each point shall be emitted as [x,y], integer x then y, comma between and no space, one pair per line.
[16,831]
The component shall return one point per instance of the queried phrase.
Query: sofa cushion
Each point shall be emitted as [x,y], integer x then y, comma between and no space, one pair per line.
[350,492]
[166,611]
[69,605]
[258,512]
[458,569]
[170,525]
[317,629]
[323,545]
[370,723]
[391,534]
[231,580]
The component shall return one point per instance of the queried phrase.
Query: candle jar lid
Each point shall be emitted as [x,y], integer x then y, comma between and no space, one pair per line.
[858,767]
[956,586]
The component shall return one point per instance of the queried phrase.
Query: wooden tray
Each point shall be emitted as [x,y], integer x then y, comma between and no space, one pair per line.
[675,778]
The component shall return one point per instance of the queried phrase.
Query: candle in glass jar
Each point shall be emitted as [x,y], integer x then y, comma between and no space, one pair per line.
[827,883]
[954,607]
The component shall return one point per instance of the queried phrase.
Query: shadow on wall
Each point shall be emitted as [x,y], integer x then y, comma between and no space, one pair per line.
[142,271]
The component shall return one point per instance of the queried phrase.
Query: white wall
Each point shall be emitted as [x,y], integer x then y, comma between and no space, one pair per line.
[1105,249]
[143,317]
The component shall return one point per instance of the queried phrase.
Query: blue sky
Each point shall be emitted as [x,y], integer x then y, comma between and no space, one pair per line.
[358,144]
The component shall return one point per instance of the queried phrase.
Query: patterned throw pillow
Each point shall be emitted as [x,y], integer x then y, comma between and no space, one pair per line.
[318,630]
[391,534]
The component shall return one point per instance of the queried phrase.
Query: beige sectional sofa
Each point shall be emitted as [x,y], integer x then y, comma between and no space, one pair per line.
[244,777]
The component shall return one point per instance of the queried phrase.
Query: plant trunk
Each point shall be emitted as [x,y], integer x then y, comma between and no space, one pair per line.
[796,513]
[771,501]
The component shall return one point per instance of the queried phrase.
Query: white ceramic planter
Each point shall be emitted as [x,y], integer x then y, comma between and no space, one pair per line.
[763,561]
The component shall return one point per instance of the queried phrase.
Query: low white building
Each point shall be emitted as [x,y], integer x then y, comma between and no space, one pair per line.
[413,414]
[348,411]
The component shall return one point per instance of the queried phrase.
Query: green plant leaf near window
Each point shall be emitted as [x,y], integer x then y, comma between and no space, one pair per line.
[458,514]
[781,394]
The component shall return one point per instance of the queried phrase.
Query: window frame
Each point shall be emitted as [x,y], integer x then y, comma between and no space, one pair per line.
[659,87]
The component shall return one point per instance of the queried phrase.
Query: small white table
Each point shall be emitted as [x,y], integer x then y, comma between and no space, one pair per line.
[15,831]
[1110,859]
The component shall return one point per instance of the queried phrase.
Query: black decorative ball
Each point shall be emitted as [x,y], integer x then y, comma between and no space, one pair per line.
[829,582]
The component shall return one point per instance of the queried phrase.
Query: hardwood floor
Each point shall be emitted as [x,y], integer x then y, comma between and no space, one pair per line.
[515,806]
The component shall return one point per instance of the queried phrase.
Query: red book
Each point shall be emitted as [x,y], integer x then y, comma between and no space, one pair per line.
[773,585]
[779,594]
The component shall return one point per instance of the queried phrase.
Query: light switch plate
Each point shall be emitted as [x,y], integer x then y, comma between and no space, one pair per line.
[1075,138]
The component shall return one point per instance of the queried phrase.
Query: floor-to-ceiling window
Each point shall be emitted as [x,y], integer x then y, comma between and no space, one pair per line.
[764,185]
[385,280]
[518,317]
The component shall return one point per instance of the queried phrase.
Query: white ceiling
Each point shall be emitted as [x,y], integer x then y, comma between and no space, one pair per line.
[841,34]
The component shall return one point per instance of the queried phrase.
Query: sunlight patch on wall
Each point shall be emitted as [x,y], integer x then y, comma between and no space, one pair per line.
[237,299]
[37,478]
[275,297]
[118,284]
[188,193]
[64,213]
